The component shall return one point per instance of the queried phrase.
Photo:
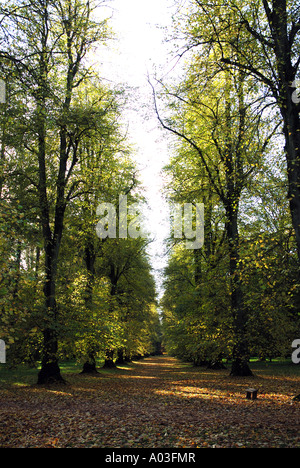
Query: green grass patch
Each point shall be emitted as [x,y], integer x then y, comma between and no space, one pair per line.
[23,375]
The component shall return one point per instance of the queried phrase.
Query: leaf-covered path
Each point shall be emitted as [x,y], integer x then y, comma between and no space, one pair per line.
[155,403]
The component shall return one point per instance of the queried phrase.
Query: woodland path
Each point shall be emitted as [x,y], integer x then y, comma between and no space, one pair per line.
[158,402]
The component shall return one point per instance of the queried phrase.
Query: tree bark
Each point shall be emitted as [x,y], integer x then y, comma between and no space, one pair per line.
[240,365]
[114,278]
[89,367]
[50,371]
[234,170]
[52,242]
[121,358]
[287,74]
[292,148]
[109,359]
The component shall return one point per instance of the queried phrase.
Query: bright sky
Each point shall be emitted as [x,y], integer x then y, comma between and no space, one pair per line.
[140,26]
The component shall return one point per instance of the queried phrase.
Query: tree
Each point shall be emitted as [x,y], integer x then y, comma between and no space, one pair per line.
[132,294]
[265,43]
[227,138]
[104,151]
[49,41]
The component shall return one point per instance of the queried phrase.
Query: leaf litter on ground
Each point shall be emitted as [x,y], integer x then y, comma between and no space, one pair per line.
[159,402]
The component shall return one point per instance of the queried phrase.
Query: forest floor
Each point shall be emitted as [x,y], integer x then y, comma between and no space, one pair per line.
[158,402]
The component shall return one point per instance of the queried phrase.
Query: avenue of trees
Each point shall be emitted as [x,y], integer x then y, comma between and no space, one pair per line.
[234,114]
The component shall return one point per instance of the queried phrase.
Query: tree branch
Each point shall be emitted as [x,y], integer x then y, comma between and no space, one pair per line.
[257,35]
[218,190]
[253,71]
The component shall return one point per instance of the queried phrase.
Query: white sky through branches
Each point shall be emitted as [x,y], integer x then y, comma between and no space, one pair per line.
[140,27]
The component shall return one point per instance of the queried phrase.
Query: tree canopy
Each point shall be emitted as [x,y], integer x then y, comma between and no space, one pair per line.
[68,292]
[235,120]
[64,291]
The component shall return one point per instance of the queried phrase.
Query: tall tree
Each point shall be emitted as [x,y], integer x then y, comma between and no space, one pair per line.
[50,41]
[215,114]
[266,45]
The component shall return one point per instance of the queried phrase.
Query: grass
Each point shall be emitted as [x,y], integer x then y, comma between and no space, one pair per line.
[23,375]
[278,367]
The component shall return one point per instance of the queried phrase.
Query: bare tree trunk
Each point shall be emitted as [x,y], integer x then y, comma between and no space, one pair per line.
[89,367]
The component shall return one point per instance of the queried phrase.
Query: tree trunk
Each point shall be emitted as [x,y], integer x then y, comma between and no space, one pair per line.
[109,359]
[120,359]
[52,243]
[89,366]
[18,269]
[37,263]
[50,372]
[109,353]
[287,74]
[240,365]
[234,170]
[290,113]
[292,148]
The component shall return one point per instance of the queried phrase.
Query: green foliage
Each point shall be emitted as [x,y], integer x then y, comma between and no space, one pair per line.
[242,289]
[63,151]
